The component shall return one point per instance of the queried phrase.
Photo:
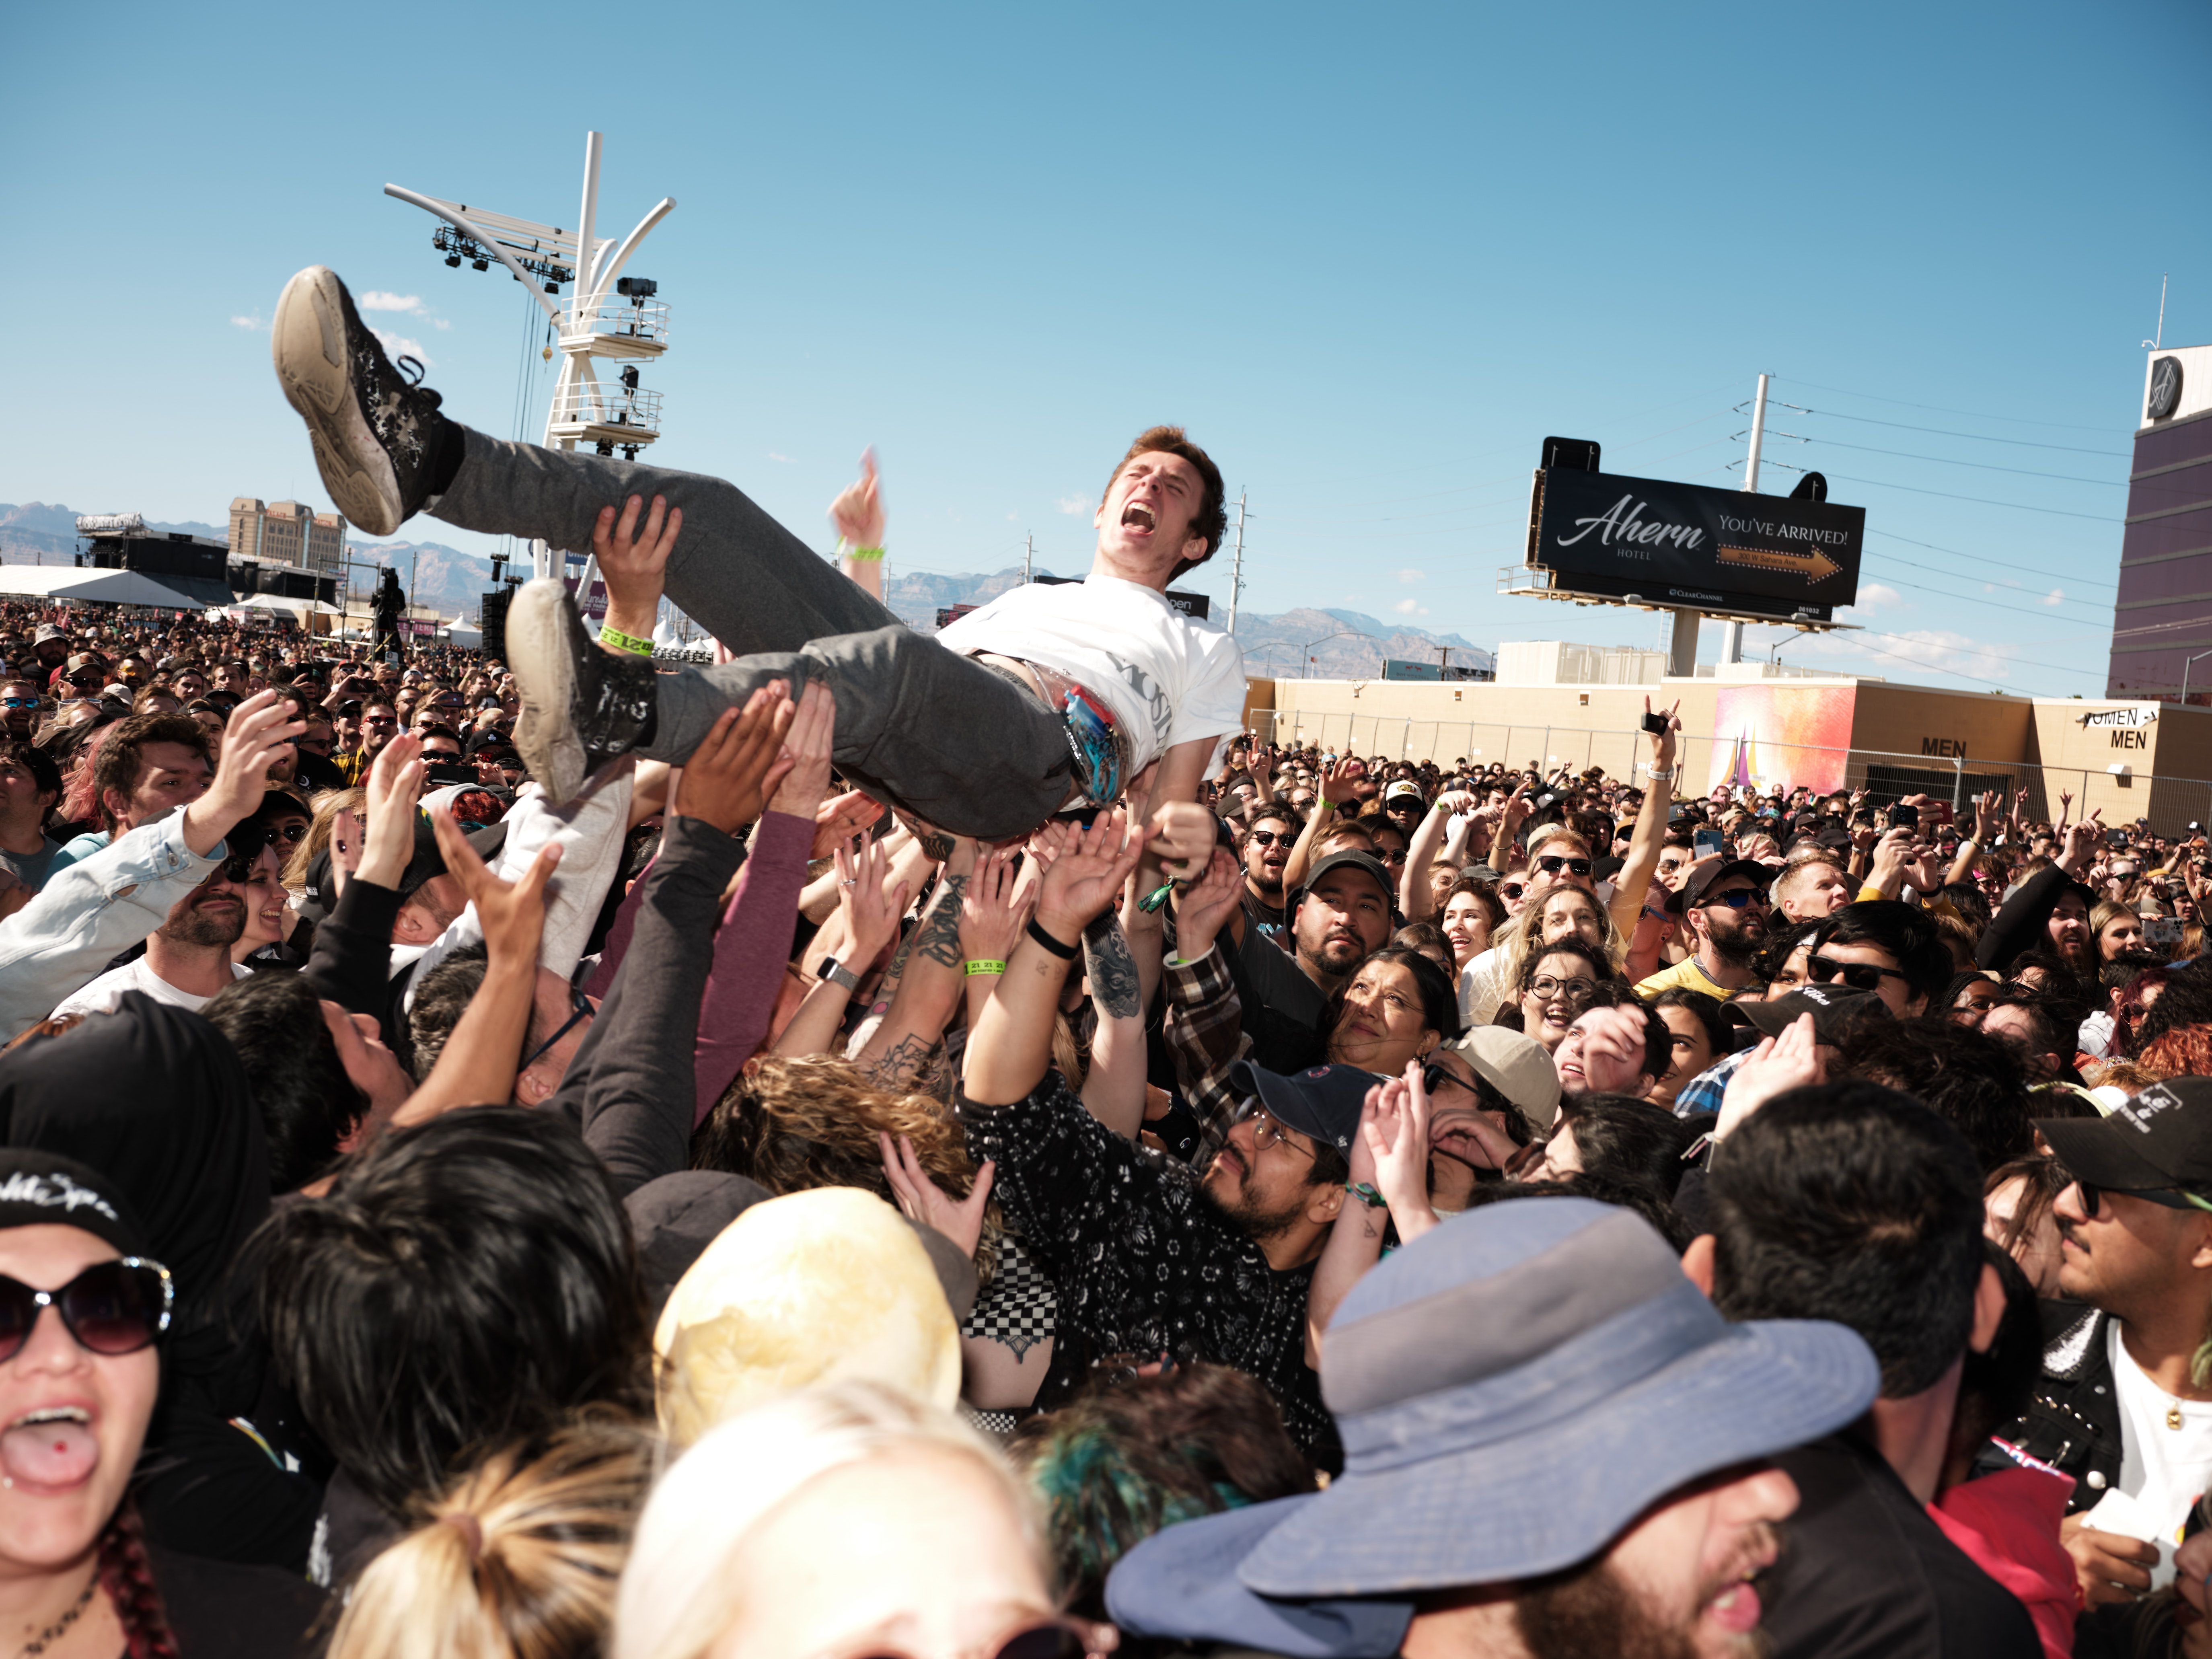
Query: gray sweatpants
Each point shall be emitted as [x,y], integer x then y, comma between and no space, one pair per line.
[948,739]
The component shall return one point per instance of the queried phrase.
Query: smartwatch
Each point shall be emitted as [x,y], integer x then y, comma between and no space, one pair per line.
[839,975]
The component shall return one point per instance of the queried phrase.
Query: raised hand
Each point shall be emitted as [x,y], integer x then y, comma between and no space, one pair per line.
[857,512]
[840,819]
[1663,743]
[1792,1060]
[807,743]
[869,903]
[395,780]
[1206,905]
[921,1199]
[511,913]
[634,564]
[1337,778]
[729,776]
[1989,814]
[1088,875]
[1397,1137]
[259,732]
[994,909]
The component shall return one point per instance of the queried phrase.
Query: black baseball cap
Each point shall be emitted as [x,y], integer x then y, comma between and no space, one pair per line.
[1836,1010]
[1352,857]
[1323,1101]
[1703,881]
[2159,1139]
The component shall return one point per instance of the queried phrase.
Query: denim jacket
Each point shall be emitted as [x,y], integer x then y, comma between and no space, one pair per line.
[90,912]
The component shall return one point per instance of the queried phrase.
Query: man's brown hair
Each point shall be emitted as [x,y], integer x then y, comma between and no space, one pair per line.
[1210,520]
[118,763]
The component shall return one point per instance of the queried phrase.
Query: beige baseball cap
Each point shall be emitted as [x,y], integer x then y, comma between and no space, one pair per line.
[1517,1067]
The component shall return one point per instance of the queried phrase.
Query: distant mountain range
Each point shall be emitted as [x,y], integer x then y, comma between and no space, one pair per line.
[455,582]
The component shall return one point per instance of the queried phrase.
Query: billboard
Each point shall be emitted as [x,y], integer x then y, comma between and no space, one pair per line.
[1690,545]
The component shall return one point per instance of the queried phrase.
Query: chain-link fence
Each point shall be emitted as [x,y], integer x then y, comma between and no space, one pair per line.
[2170,804]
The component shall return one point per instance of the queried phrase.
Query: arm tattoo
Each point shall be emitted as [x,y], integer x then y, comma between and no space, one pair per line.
[902,1062]
[1113,971]
[938,936]
[939,847]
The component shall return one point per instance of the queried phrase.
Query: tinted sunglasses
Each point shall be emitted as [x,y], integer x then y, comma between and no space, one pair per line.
[1552,866]
[19,702]
[1741,899]
[110,1307]
[1513,889]
[2171,1198]
[1859,975]
[1268,838]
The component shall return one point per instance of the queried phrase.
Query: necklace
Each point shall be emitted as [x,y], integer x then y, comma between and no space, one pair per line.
[54,1633]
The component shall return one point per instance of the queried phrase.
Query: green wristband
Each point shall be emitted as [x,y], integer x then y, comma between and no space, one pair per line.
[621,641]
[983,965]
[1366,1192]
[864,555]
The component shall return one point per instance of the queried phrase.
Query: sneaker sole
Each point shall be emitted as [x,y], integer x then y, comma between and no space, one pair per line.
[308,342]
[541,654]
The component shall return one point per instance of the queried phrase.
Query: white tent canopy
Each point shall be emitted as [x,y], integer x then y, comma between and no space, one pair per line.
[106,587]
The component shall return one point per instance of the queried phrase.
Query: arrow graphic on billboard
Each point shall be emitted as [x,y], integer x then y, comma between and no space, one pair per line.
[1815,567]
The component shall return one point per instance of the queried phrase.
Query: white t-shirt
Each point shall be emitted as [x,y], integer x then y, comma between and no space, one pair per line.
[1166,678]
[100,995]
[2162,1470]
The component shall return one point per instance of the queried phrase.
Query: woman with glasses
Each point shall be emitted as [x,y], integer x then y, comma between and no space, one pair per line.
[1559,983]
[82,1306]
[735,1551]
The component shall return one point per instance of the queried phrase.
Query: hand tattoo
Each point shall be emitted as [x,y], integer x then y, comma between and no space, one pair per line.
[1113,971]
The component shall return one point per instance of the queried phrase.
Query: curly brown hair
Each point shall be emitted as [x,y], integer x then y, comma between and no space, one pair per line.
[796,1124]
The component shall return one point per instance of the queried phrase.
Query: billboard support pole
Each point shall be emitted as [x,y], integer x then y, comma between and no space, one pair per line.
[1682,653]
[1732,639]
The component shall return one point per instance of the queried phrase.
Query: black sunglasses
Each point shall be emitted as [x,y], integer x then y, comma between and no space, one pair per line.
[1266,838]
[2171,1198]
[1552,866]
[112,1307]
[1859,975]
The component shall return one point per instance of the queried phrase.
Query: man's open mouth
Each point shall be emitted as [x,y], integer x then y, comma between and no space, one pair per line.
[1138,516]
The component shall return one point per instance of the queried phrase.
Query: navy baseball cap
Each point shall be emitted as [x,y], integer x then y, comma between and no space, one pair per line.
[1321,1103]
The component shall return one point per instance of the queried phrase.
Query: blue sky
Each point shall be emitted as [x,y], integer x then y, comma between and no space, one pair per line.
[1370,256]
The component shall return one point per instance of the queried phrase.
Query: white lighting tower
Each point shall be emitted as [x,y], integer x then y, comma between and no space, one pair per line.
[606,316]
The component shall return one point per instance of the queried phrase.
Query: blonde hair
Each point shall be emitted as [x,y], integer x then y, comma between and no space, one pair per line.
[321,829]
[675,1600]
[1517,944]
[521,1558]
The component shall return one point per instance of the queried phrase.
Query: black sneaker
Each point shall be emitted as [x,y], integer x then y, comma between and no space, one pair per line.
[581,707]
[376,432]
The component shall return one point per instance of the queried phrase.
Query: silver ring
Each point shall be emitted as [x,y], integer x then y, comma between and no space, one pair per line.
[855,882]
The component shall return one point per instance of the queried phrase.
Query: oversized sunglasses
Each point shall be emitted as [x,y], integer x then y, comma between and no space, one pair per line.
[1266,838]
[1859,975]
[110,1307]
[19,702]
[1552,866]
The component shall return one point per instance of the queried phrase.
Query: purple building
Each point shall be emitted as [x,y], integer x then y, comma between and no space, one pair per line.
[2164,614]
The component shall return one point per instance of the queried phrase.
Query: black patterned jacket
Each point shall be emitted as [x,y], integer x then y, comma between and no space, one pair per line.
[1143,1264]
[2073,1419]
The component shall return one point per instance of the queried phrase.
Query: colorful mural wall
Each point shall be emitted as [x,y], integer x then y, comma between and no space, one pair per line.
[1768,735]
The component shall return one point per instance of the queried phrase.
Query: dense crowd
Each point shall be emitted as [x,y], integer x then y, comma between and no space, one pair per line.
[886,1146]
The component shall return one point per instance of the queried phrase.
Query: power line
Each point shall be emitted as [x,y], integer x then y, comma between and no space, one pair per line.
[1940,408]
[1945,460]
[1981,501]
[1945,432]
[1976,598]
[2002,564]
[1981,679]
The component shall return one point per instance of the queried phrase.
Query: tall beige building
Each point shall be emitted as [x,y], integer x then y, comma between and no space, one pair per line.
[287,532]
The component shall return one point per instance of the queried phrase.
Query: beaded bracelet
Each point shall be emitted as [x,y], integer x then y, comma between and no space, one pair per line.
[983,965]
[621,641]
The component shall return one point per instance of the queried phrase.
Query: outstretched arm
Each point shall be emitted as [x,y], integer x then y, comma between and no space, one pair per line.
[1650,832]
[858,513]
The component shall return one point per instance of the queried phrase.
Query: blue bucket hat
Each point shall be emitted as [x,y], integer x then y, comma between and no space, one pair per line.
[1512,1390]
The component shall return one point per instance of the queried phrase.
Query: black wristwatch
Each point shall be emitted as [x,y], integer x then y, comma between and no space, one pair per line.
[838,974]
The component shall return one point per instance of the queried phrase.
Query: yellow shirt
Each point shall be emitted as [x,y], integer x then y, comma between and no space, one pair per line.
[1686,975]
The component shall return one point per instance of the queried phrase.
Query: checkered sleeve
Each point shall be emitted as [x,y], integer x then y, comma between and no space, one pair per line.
[1204,1025]
[1703,1092]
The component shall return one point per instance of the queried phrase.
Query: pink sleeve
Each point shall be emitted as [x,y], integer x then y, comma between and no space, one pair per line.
[750,950]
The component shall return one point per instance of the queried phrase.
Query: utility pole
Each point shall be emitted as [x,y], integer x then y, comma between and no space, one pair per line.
[1236,565]
[1029,555]
[1732,635]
